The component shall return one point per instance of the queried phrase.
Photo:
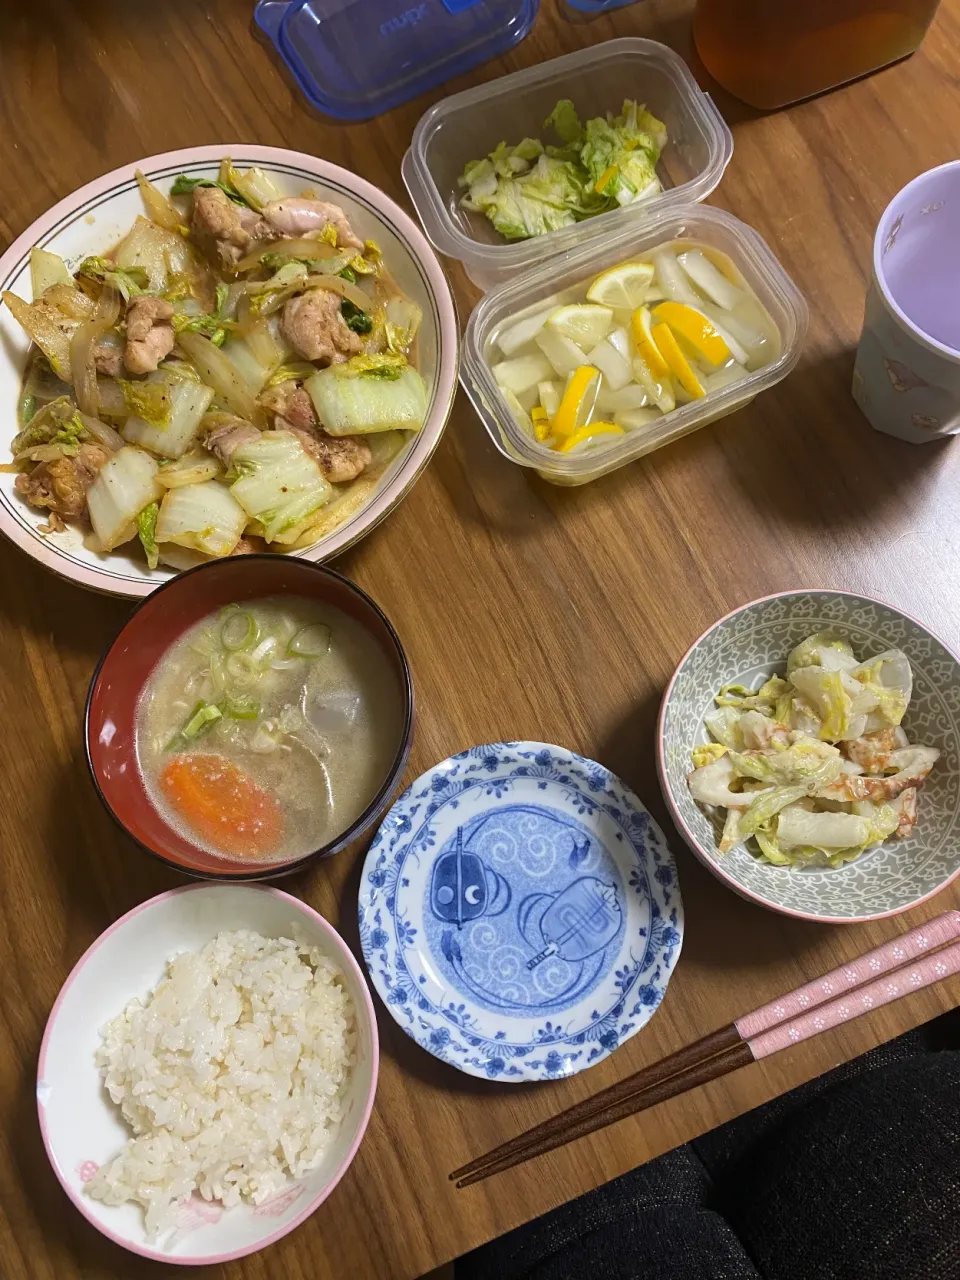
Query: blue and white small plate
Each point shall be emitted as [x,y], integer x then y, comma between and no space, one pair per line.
[519,912]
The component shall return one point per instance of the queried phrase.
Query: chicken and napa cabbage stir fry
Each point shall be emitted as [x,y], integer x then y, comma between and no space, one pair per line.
[815,768]
[235,375]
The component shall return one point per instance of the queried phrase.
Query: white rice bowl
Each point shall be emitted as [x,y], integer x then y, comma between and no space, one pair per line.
[197,1110]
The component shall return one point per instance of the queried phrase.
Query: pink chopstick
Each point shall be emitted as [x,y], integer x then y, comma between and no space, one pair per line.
[909,963]
[914,976]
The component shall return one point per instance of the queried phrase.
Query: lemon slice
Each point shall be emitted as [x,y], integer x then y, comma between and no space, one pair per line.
[587,433]
[623,287]
[679,365]
[583,323]
[647,349]
[696,330]
[541,422]
[578,401]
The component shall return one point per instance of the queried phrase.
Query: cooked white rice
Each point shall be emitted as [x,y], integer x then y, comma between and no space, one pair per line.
[231,1075]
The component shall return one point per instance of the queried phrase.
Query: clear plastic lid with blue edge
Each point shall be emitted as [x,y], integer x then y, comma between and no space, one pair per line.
[598,6]
[355,59]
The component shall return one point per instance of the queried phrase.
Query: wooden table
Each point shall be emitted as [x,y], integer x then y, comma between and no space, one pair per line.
[527,611]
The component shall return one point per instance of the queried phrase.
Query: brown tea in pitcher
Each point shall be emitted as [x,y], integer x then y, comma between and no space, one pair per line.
[771,52]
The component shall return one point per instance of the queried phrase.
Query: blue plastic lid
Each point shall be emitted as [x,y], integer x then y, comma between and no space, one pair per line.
[357,58]
[598,6]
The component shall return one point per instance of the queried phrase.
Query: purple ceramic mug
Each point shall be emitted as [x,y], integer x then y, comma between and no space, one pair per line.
[907,374]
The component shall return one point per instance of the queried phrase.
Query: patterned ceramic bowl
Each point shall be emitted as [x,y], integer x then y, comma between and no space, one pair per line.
[754,641]
[95,217]
[82,1128]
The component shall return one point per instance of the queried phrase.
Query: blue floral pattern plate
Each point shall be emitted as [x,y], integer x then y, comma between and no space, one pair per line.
[519,912]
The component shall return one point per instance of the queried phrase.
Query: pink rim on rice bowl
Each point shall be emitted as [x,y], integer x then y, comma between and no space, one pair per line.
[82,1128]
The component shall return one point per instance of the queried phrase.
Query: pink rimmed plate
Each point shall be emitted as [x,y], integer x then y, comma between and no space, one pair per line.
[82,1128]
[98,214]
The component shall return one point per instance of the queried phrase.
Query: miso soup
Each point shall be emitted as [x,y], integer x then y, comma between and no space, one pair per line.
[268,728]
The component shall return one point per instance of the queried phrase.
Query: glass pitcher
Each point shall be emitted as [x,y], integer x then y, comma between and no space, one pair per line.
[771,52]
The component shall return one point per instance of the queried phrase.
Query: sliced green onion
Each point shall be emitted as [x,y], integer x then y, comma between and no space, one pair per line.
[204,716]
[218,670]
[242,707]
[242,668]
[203,644]
[311,642]
[240,631]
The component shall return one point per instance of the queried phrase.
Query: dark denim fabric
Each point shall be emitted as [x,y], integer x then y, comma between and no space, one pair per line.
[855,1176]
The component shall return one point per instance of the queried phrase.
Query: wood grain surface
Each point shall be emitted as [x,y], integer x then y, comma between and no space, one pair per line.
[527,611]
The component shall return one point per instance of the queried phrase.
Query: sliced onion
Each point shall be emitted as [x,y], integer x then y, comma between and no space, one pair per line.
[334,284]
[40,453]
[265,650]
[218,372]
[190,468]
[82,346]
[242,669]
[103,434]
[159,208]
[83,373]
[236,292]
[265,346]
[309,250]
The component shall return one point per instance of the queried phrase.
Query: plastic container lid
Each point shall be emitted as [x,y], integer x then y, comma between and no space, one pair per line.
[598,6]
[357,58]
[469,125]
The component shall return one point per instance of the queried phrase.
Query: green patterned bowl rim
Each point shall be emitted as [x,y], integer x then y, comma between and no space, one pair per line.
[708,856]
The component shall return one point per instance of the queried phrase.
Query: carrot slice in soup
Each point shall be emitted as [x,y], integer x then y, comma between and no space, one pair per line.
[223,804]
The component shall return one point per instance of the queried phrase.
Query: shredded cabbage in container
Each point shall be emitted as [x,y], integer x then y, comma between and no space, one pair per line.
[814,768]
[529,189]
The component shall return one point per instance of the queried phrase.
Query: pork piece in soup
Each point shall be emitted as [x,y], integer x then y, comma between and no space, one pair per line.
[268,728]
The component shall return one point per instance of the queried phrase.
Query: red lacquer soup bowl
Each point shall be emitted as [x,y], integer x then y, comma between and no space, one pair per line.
[153,627]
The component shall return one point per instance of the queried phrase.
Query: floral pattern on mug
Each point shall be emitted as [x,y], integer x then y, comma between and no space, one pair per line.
[902,378]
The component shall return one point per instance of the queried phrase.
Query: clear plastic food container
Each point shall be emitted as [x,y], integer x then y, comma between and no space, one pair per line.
[714,228]
[598,79]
